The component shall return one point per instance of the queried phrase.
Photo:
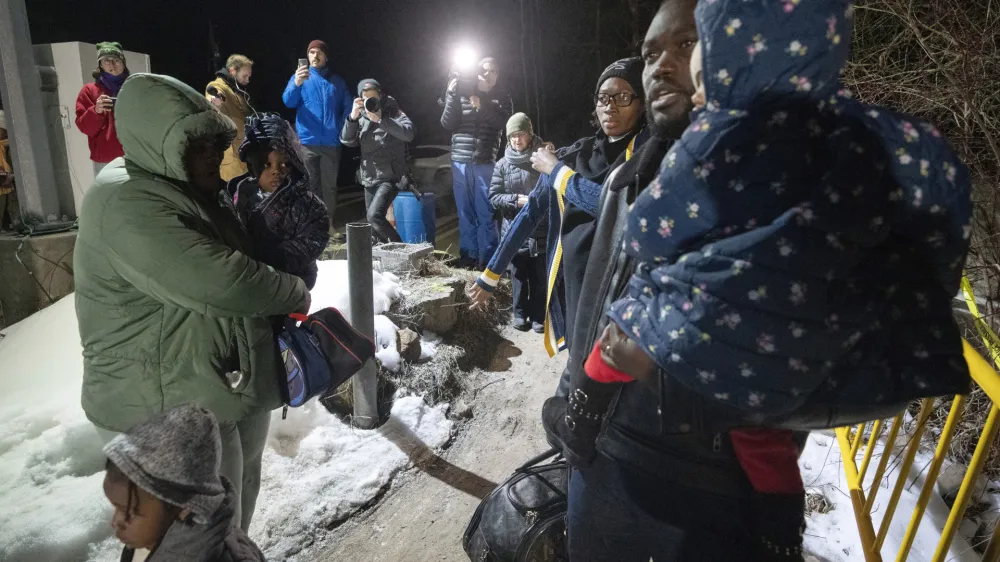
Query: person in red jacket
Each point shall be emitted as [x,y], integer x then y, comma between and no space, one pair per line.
[96,103]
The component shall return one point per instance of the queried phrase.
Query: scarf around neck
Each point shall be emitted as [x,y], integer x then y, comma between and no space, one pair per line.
[592,157]
[111,82]
[640,170]
[521,158]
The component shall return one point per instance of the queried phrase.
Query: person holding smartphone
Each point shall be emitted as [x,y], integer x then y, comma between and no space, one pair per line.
[96,102]
[322,102]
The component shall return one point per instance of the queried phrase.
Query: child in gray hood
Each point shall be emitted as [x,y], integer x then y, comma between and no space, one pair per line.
[163,481]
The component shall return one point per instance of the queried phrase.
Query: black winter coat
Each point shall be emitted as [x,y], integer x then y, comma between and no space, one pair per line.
[383,145]
[476,133]
[290,228]
[659,435]
[513,177]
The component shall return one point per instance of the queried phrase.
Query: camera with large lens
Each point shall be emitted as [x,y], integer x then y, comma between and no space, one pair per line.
[372,105]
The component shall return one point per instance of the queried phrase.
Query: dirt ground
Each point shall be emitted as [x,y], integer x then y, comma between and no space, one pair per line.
[422,517]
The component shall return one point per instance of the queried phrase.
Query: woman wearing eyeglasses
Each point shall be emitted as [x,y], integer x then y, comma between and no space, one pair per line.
[568,191]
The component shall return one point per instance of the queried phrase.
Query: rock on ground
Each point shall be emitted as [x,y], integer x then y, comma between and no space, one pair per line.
[408,343]
[422,518]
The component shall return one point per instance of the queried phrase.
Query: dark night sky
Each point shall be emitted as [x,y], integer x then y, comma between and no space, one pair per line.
[405,44]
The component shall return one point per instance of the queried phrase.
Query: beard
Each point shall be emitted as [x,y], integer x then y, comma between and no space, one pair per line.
[667,126]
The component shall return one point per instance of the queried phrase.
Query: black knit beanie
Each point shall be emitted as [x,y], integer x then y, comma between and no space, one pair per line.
[629,70]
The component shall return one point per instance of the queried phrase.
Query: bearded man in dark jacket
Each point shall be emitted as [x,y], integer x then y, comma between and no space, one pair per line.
[475,122]
[660,485]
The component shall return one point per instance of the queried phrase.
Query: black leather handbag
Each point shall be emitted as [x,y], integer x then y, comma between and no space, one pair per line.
[524,518]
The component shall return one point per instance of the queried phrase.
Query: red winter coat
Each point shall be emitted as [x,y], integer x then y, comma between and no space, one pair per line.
[99,127]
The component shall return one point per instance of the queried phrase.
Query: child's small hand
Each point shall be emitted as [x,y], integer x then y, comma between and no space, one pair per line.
[622,353]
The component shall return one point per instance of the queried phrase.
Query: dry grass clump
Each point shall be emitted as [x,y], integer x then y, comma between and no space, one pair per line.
[940,60]
[477,332]
[817,502]
[471,344]
[438,380]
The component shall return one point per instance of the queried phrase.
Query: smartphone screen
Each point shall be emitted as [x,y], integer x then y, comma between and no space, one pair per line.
[303,62]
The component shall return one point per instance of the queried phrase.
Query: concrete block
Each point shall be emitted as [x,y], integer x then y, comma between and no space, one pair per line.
[432,304]
[43,275]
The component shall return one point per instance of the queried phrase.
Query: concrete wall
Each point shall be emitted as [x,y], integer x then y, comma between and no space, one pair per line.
[74,62]
[46,273]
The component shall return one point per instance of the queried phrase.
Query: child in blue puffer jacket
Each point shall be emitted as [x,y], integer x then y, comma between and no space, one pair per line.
[797,249]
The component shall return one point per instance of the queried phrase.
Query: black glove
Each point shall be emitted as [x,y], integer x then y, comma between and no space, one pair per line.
[573,425]
[778,524]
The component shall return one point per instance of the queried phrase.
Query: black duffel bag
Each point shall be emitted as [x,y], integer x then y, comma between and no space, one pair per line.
[523,519]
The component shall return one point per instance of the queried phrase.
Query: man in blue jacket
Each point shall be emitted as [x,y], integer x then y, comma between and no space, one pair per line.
[321,102]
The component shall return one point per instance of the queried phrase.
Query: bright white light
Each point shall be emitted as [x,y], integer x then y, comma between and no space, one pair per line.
[464,58]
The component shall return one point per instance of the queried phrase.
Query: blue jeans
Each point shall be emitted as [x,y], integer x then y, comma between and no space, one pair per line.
[477,229]
[605,523]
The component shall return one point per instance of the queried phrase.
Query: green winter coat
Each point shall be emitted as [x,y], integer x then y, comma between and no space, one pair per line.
[171,309]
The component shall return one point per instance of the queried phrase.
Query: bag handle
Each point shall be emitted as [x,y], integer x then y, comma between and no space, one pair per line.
[559,496]
[535,460]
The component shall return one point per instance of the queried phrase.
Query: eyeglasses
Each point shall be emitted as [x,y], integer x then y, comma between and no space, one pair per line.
[622,99]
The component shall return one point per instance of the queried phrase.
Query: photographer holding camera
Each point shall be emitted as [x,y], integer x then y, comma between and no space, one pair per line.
[381,129]
[475,117]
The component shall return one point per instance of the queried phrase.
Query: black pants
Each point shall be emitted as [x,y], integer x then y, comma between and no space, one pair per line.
[528,274]
[323,163]
[377,201]
[604,523]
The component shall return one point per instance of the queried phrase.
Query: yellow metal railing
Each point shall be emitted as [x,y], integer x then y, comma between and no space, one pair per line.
[851,442]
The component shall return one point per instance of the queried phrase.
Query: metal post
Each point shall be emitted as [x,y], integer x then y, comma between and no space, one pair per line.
[359,275]
[20,86]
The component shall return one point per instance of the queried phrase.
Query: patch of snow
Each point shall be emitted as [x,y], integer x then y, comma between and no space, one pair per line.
[332,289]
[385,343]
[317,470]
[834,536]
[51,466]
[429,342]
[320,471]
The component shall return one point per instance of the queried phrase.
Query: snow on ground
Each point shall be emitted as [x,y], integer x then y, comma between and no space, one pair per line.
[834,536]
[386,291]
[385,343]
[316,469]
